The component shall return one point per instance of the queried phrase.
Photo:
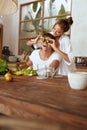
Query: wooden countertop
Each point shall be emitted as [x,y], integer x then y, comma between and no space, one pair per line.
[44,100]
[81,68]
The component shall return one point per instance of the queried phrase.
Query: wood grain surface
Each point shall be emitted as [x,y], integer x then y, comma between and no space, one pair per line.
[49,101]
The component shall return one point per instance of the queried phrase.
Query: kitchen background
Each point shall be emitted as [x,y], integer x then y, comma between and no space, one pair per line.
[78,30]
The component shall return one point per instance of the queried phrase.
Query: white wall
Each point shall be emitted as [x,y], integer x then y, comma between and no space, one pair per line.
[78,32]
[10,31]
[79,27]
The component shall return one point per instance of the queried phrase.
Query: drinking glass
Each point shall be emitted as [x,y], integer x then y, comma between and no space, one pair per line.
[42,72]
[50,72]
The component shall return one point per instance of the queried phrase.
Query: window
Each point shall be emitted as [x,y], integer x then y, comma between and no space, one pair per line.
[39,16]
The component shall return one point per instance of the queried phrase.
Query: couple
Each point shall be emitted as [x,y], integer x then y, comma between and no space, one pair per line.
[61,45]
[45,56]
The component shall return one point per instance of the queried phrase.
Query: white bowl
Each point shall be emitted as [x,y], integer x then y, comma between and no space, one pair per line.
[77,80]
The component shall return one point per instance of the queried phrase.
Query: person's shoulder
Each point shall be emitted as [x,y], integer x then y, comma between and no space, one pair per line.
[35,51]
[65,36]
[56,56]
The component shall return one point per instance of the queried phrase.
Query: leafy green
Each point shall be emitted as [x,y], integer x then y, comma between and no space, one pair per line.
[26,72]
[35,5]
[62,11]
[38,15]
[3,67]
[35,23]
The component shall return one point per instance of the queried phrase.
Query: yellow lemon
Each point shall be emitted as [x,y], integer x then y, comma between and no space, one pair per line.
[8,77]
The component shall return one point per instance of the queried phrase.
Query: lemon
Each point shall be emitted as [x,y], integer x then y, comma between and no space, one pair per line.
[8,77]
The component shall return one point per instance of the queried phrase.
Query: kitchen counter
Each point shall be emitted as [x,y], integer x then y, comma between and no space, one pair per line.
[81,68]
[14,65]
[50,101]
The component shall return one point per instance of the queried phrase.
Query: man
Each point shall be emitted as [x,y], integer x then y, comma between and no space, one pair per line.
[45,56]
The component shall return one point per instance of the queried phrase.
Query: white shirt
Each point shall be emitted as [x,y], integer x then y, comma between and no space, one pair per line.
[65,46]
[37,61]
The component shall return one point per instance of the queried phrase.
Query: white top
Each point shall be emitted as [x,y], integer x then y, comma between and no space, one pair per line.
[65,46]
[37,61]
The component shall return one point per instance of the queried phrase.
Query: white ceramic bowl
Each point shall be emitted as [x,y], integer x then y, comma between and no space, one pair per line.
[77,80]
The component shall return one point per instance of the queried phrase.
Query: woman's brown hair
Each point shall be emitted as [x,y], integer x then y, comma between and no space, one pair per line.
[64,24]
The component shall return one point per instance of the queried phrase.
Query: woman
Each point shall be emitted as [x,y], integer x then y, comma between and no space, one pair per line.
[62,45]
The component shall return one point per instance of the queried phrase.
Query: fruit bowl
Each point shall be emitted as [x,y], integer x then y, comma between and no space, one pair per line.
[77,80]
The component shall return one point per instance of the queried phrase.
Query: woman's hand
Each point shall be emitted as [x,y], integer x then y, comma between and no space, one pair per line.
[38,39]
[34,41]
[54,44]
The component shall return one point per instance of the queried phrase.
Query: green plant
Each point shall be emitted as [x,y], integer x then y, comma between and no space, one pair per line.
[3,67]
[34,25]
[36,7]
[61,11]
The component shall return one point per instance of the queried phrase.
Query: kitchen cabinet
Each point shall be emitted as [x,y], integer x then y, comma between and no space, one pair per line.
[1,39]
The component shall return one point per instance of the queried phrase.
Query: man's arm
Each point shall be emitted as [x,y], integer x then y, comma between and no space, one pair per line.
[54,64]
[26,64]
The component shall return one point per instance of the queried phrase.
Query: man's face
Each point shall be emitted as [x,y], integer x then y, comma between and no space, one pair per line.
[45,43]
